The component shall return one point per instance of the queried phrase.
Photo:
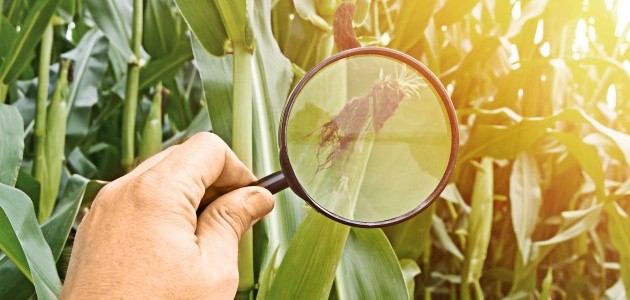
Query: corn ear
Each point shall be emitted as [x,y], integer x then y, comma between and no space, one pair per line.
[55,141]
[151,142]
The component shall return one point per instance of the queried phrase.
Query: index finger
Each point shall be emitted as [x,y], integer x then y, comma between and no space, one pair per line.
[202,161]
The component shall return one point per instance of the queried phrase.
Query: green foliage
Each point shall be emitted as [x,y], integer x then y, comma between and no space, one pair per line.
[537,206]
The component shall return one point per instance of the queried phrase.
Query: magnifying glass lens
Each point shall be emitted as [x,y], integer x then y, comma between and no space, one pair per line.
[369,138]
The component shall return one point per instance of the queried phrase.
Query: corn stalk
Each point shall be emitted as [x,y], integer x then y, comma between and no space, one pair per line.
[39,163]
[131,91]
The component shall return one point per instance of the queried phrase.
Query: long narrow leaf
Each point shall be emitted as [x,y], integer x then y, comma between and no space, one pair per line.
[369,268]
[22,241]
[12,135]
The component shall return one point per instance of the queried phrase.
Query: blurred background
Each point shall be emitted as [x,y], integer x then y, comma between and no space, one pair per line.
[538,204]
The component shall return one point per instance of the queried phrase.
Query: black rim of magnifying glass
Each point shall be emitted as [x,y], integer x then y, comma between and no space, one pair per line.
[285,163]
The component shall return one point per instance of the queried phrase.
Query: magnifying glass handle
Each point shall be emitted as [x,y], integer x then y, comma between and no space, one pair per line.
[274,182]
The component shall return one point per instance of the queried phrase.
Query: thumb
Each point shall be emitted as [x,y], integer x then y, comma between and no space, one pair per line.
[228,217]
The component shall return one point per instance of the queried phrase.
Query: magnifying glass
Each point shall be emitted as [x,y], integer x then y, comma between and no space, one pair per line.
[368,138]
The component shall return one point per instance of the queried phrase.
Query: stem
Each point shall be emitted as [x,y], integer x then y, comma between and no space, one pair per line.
[131,91]
[39,170]
[242,145]
[4,88]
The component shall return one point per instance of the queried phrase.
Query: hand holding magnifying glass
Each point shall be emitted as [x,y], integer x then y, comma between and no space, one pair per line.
[368,138]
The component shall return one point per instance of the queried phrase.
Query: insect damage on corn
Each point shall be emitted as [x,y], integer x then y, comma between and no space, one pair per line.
[355,118]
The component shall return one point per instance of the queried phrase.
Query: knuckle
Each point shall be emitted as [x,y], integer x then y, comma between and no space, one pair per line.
[236,219]
[208,138]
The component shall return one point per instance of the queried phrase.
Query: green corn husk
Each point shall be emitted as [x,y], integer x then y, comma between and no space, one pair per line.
[55,140]
[151,142]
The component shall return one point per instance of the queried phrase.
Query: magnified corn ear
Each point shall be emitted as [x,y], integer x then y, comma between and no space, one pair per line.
[151,142]
[56,121]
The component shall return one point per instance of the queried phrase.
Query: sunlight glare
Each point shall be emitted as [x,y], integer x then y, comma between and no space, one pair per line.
[539,32]
[623,16]
[611,97]
[516,10]
[545,49]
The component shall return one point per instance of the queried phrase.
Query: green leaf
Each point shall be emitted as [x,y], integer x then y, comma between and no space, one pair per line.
[308,268]
[56,230]
[200,123]
[31,30]
[369,268]
[216,76]
[113,17]
[454,11]
[574,223]
[410,270]
[411,238]
[479,226]
[545,294]
[532,10]
[266,277]
[204,20]
[236,20]
[618,224]
[587,158]
[165,68]
[66,11]
[22,241]
[307,10]
[89,60]
[272,78]
[12,136]
[410,25]
[159,35]
[525,200]
[444,239]
[80,164]
[89,64]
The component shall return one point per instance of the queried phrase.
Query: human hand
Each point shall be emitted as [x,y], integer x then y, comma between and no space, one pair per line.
[142,238]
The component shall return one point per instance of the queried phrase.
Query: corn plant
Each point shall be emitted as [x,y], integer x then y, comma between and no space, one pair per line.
[537,206]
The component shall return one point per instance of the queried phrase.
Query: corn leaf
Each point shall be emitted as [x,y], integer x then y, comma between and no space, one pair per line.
[479,225]
[56,231]
[444,239]
[12,135]
[308,10]
[272,80]
[525,200]
[410,270]
[317,245]
[31,30]
[618,224]
[89,60]
[587,158]
[23,243]
[113,17]
[413,19]
[454,11]
[236,18]
[216,76]
[411,238]
[159,35]
[204,21]
[165,68]
[369,268]
[545,294]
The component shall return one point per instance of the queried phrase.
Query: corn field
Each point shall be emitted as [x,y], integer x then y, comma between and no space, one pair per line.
[538,206]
